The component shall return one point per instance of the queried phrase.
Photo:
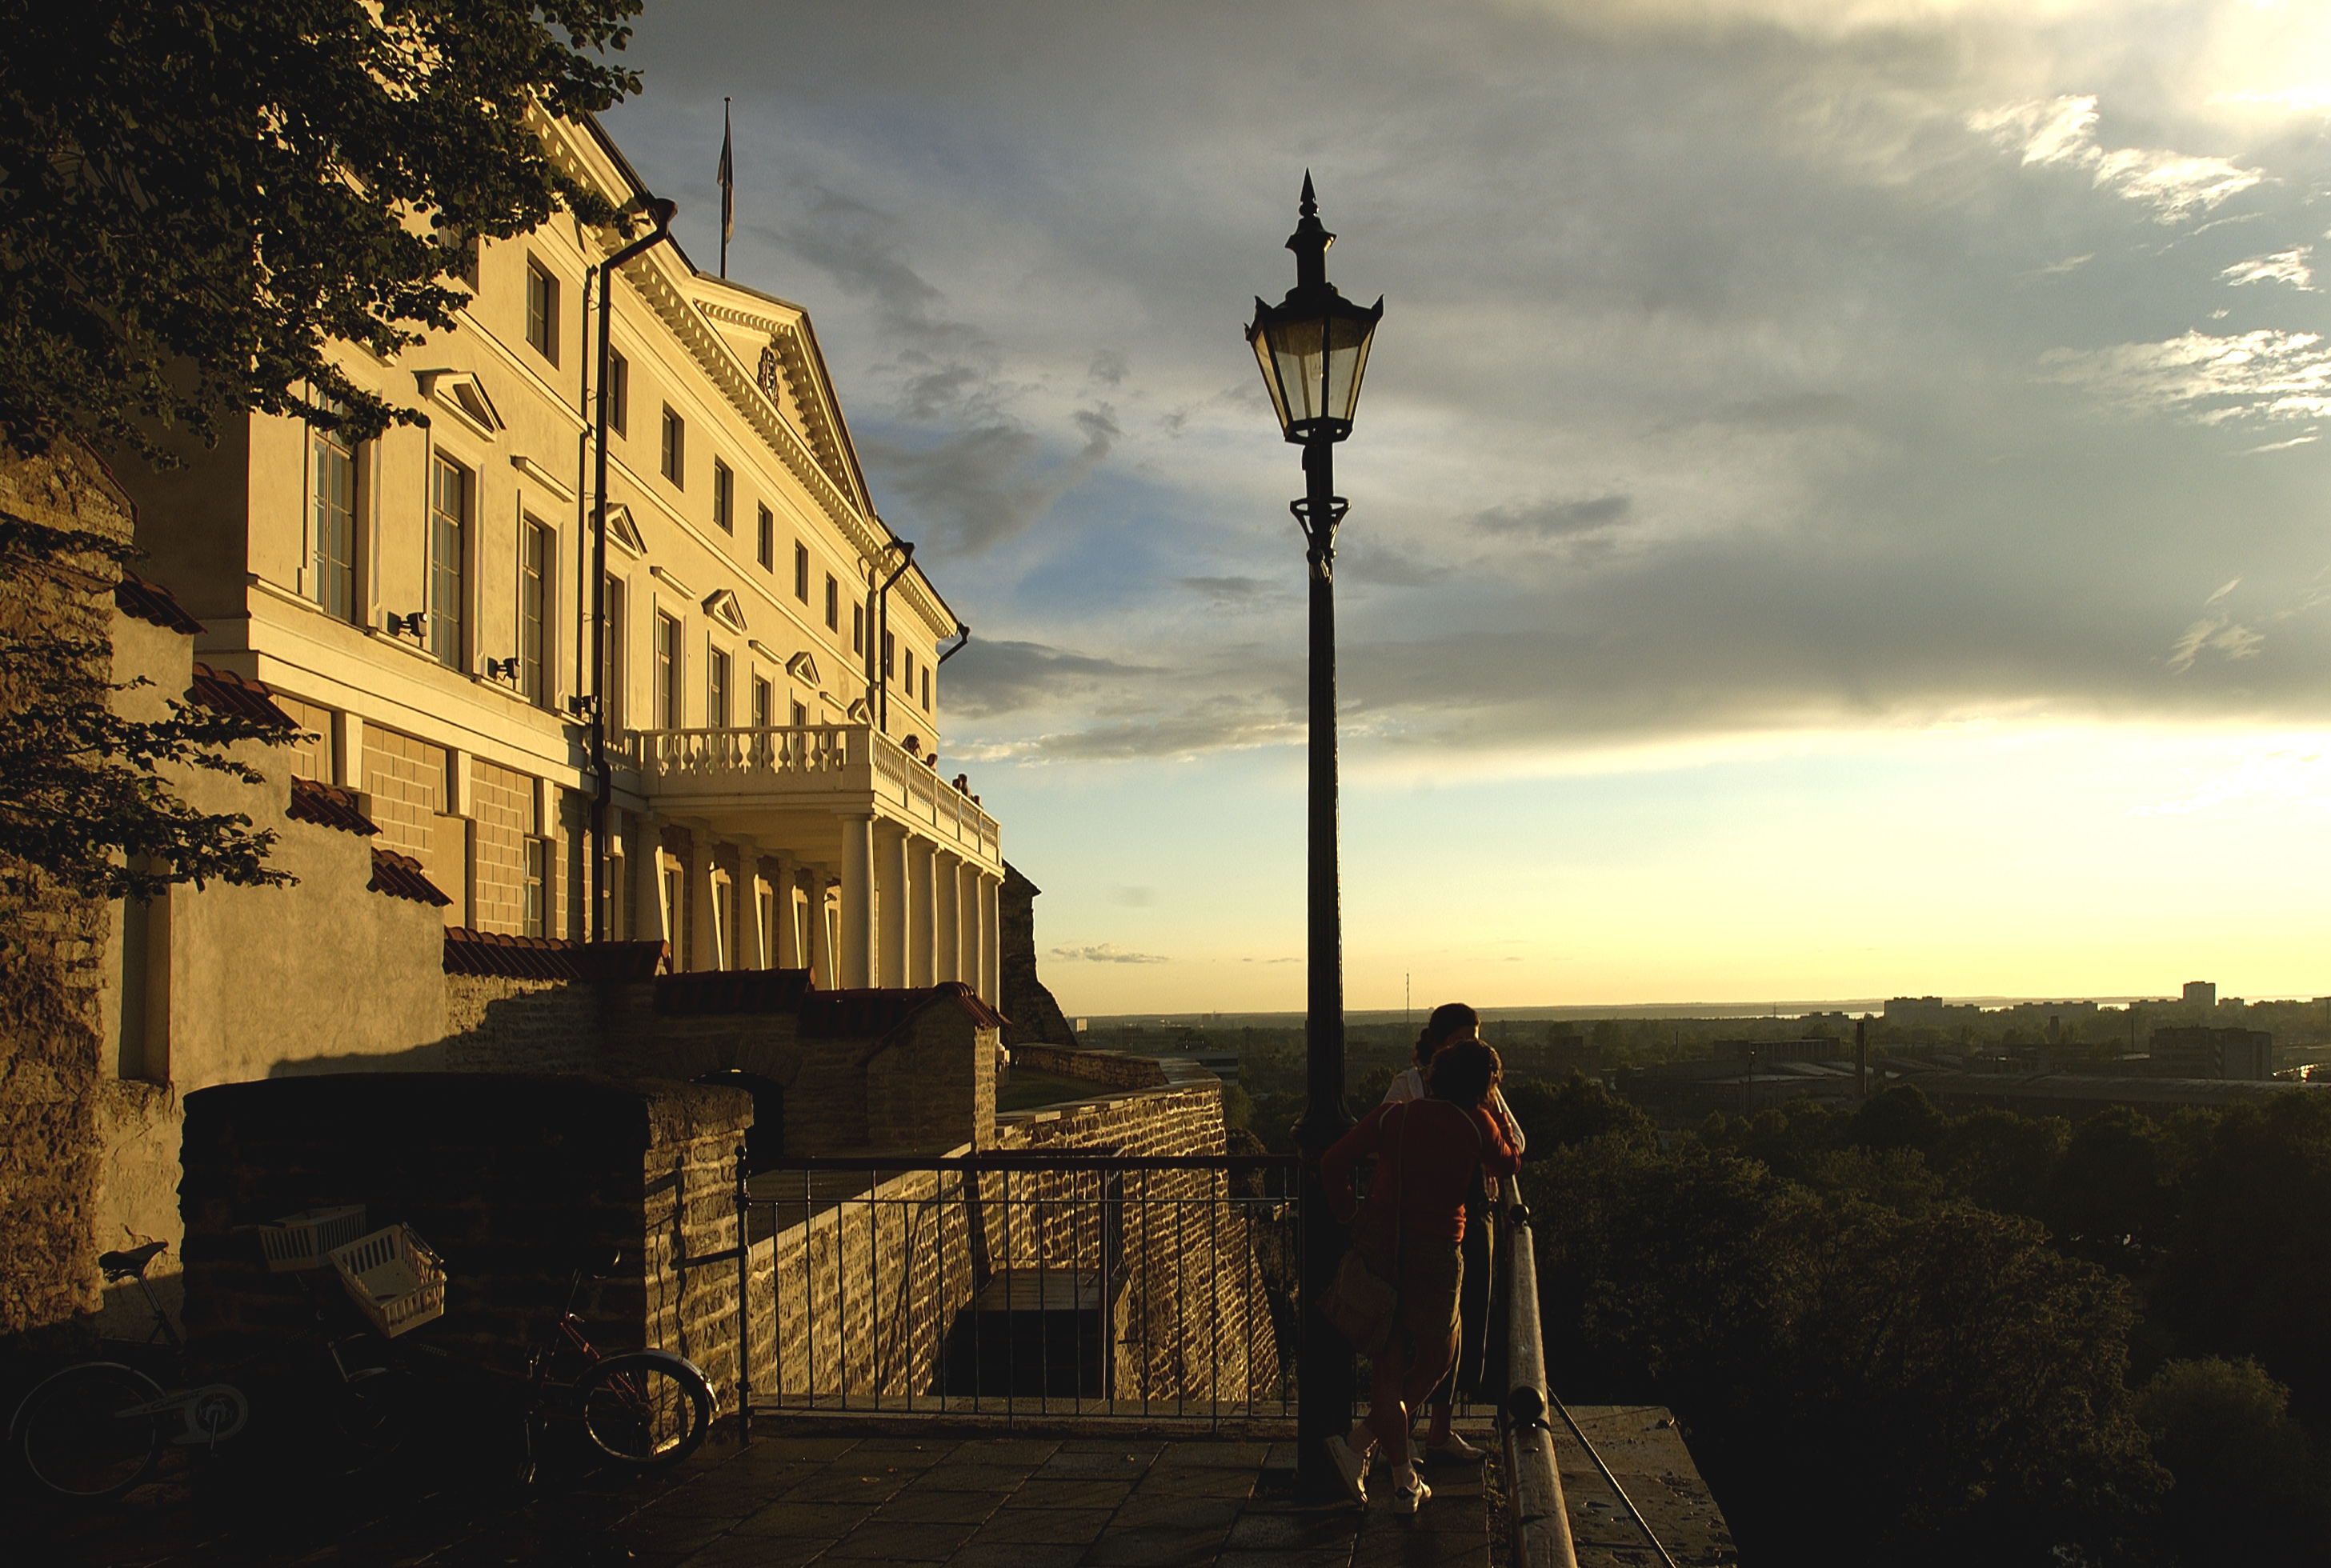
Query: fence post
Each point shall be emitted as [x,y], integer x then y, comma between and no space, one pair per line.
[744,1303]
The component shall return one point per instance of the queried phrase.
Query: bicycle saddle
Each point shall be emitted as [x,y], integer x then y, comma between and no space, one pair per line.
[130,1264]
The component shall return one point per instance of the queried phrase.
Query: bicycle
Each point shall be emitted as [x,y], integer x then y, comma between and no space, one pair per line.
[644,1409]
[92,1431]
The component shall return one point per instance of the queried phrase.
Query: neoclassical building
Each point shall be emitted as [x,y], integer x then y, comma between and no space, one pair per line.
[420,605]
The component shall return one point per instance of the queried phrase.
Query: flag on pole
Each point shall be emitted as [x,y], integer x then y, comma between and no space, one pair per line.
[727,188]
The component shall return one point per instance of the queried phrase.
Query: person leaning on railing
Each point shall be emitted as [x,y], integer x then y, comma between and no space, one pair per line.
[1411,1233]
[1450,1023]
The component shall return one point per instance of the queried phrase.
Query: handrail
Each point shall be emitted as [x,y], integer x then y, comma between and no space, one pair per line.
[1541,1520]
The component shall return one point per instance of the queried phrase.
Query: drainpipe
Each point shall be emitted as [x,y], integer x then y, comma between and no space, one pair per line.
[603,774]
[882,628]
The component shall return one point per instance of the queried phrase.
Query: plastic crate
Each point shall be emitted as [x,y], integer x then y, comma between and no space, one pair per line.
[394,1278]
[306,1239]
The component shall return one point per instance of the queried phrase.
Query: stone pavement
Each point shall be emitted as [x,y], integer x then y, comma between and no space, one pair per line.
[842,1499]
[1644,1451]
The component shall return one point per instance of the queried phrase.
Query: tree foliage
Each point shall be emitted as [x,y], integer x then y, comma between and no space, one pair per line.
[195,200]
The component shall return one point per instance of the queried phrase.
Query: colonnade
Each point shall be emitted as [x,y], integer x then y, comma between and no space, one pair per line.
[895,909]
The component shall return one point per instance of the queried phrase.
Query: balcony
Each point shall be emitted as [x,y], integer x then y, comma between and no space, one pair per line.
[756,778]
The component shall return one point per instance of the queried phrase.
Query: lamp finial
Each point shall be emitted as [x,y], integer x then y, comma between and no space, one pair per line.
[1310,205]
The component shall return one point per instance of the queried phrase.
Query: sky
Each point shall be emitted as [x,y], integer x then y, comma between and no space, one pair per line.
[1838,501]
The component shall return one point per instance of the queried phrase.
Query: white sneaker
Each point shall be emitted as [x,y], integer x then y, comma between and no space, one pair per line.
[1409,1492]
[1455,1451]
[1353,1468]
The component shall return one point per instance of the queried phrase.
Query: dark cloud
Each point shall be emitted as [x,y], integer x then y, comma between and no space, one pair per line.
[992,678]
[1233,593]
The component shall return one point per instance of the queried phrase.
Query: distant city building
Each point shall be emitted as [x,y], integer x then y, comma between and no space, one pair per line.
[1812,1047]
[2201,994]
[1928,1012]
[2220,1053]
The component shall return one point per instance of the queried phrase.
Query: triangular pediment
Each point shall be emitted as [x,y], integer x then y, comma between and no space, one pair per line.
[722,606]
[803,668]
[773,341]
[460,394]
[860,713]
[622,531]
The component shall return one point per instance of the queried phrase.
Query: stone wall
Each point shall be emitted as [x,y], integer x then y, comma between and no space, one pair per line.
[1106,1066]
[500,1023]
[50,945]
[1036,1018]
[505,1176]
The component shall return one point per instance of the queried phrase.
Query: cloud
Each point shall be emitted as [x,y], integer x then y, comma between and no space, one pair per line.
[2267,374]
[1106,953]
[993,678]
[2063,131]
[1216,725]
[1371,560]
[1554,520]
[1232,593]
[2288,775]
[2217,632]
[2282,267]
[978,486]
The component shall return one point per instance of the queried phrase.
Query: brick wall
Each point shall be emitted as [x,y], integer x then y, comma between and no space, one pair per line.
[504,1176]
[406,779]
[1108,1067]
[496,1024]
[310,756]
[503,808]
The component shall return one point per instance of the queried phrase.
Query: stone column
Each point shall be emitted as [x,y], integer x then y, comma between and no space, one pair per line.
[644,865]
[922,914]
[991,941]
[821,930]
[789,944]
[857,955]
[947,933]
[705,936]
[967,904]
[890,881]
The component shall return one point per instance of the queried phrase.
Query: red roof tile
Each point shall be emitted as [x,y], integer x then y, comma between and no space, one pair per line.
[224,691]
[732,991]
[469,952]
[152,602]
[401,877]
[329,807]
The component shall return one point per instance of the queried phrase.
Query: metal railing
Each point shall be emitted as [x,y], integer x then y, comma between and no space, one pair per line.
[1023,1283]
[1541,1517]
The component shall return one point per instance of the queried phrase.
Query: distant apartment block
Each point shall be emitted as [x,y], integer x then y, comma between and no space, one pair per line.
[2220,1053]
[2201,994]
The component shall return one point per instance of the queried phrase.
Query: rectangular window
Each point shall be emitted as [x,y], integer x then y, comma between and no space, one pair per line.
[927,689]
[538,561]
[675,450]
[833,604]
[449,523]
[542,309]
[619,393]
[766,901]
[765,704]
[724,497]
[910,672]
[537,862]
[857,628]
[668,710]
[801,571]
[466,269]
[800,715]
[610,672]
[716,691]
[889,656]
[769,541]
[724,924]
[333,495]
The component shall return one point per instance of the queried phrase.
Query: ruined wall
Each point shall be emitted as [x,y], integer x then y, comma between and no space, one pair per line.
[51,943]
[1036,1018]
[504,1176]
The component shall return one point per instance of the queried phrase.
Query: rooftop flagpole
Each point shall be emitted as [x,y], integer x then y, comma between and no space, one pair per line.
[727,188]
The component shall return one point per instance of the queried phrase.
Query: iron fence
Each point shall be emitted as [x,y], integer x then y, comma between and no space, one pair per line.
[1024,1283]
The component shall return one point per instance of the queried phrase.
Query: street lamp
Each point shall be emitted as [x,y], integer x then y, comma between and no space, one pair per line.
[1313,348]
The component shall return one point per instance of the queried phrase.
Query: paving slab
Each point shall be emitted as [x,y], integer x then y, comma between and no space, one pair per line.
[1645,1450]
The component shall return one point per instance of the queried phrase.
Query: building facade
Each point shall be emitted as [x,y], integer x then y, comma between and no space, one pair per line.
[422,604]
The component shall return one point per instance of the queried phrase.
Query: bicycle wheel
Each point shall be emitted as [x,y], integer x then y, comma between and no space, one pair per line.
[74,1439]
[644,1409]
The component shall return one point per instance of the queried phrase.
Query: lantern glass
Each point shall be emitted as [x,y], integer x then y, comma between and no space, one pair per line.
[1312,361]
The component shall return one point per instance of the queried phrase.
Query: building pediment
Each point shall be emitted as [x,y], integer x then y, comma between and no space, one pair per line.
[803,668]
[460,394]
[623,531]
[722,606]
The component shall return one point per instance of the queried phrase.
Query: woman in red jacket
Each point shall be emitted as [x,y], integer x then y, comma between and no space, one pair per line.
[1426,1151]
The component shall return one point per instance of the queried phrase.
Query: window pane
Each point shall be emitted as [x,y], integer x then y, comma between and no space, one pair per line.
[610,673]
[768,542]
[667,672]
[724,497]
[764,705]
[449,516]
[334,567]
[675,454]
[538,858]
[716,691]
[801,573]
[533,586]
[619,393]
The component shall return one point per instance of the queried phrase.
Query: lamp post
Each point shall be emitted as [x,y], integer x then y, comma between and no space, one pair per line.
[603,774]
[1313,348]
